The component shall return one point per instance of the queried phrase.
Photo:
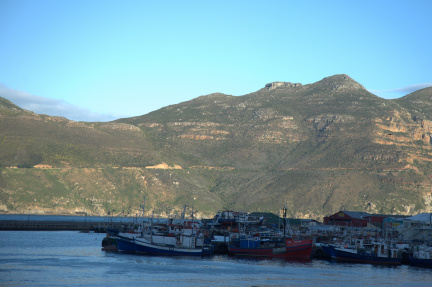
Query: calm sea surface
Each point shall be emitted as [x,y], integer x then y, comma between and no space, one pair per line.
[68,258]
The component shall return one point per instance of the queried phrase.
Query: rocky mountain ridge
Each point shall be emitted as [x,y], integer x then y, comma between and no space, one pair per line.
[319,147]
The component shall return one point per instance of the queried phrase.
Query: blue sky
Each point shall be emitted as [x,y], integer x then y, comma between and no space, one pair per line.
[101,60]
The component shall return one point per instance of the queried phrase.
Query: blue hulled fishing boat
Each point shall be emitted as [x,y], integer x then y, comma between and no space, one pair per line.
[181,238]
[422,256]
[381,253]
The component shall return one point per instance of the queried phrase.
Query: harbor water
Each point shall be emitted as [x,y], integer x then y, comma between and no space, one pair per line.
[71,258]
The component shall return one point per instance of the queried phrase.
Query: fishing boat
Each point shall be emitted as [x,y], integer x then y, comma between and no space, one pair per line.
[184,245]
[381,253]
[422,256]
[181,238]
[233,218]
[288,248]
[276,246]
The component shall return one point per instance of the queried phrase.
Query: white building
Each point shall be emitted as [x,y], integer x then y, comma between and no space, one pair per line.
[418,227]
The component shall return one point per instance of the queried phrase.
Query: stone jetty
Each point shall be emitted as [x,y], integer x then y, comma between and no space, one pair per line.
[30,225]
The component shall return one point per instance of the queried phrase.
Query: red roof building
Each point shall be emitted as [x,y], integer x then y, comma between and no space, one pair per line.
[357,219]
[348,219]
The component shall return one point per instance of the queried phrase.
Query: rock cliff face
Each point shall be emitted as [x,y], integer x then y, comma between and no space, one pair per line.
[278,85]
[410,134]
[318,147]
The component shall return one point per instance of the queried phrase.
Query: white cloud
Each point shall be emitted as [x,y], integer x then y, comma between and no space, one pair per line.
[400,92]
[52,107]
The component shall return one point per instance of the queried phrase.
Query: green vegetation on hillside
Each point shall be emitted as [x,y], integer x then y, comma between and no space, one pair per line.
[319,148]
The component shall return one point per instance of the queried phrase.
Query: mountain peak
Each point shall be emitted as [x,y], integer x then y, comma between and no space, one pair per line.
[336,83]
[340,82]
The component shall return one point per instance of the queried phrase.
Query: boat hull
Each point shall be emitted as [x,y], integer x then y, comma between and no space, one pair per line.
[125,245]
[347,256]
[138,246]
[420,262]
[321,251]
[327,251]
[295,249]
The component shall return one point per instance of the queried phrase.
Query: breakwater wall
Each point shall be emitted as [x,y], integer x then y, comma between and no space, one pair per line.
[59,225]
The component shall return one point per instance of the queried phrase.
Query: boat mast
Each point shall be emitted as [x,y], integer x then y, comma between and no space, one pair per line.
[183,215]
[151,228]
[284,221]
[143,214]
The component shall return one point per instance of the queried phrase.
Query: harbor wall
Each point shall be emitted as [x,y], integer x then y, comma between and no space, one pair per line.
[59,225]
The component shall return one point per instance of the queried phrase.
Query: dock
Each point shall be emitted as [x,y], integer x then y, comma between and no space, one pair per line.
[30,225]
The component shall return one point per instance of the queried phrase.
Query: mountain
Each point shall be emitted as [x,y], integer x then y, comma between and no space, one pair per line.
[319,147]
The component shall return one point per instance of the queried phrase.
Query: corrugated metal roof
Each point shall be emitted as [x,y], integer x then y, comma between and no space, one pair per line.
[356,214]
